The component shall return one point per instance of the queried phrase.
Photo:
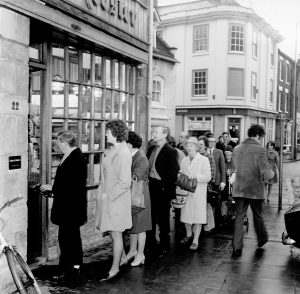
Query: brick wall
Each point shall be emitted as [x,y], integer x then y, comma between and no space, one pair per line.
[14,40]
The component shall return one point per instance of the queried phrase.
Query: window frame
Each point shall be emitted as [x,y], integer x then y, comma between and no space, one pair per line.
[117,83]
[286,100]
[161,80]
[254,85]
[228,82]
[205,83]
[271,92]
[272,54]
[255,44]
[236,38]
[280,99]
[201,39]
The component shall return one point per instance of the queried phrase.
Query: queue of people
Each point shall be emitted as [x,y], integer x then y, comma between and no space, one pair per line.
[126,172]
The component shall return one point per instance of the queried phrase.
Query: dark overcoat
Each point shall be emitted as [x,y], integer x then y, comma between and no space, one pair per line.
[69,191]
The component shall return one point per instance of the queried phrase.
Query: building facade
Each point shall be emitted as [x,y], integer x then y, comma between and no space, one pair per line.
[228,67]
[164,77]
[68,65]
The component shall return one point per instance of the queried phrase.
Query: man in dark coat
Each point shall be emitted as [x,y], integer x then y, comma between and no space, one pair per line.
[252,168]
[163,170]
[69,209]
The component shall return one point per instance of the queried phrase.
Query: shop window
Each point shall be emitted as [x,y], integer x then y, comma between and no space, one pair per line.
[87,91]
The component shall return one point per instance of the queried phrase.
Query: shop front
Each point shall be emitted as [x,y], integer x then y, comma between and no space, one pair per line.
[236,121]
[82,63]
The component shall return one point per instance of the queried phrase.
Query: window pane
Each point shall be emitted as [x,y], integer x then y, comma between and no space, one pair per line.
[108,104]
[86,101]
[58,98]
[97,168]
[117,82]
[97,135]
[236,82]
[122,82]
[123,100]
[86,136]
[74,61]
[116,105]
[98,70]
[86,68]
[98,103]
[73,126]
[108,74]
[131,107]
[58,58]
[73,100]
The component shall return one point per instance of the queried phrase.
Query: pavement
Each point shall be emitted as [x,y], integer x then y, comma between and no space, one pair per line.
[209,270]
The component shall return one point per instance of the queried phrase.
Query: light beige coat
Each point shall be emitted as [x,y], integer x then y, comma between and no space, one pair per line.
[113,208]
[194,211]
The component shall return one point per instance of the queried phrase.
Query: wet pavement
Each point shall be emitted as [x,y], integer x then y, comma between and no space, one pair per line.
[209,270]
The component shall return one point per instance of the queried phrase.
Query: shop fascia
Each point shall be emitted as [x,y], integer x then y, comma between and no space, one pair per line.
[112,7]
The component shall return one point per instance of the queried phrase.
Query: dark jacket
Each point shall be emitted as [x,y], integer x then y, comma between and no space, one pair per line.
[69,191]
[220,166]
[252,168]
[167,167]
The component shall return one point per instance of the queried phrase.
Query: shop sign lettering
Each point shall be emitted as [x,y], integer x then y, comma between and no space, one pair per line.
[114,8]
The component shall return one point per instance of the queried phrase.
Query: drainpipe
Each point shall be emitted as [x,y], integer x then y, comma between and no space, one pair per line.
[150,62]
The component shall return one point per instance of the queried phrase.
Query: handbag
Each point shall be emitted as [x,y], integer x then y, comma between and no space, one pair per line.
[186,183]
[137,197]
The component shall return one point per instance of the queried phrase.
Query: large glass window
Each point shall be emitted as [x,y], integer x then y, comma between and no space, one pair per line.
[235,82]
[200,82]
[237,38]
[87,91]
[200,40]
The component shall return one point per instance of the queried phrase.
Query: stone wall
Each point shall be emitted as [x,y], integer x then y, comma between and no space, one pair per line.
[14,41]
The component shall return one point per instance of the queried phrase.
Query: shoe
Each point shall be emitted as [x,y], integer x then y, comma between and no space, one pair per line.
[237,252]
[138,261]
[108,277]
[162,253]
[131,255]
[262,243]
[69,275]
[185,240]
[124,261]
[194,247]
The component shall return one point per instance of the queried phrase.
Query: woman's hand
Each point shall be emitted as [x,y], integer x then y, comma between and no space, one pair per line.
[46,187]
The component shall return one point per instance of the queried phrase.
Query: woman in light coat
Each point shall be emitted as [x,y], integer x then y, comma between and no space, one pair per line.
[113,211]
[193,214]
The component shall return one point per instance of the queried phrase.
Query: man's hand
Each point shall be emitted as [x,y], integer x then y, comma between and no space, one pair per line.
[222,186]
[46,187]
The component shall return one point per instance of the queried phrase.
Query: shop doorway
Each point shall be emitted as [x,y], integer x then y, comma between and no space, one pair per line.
[234,128]
[34,202]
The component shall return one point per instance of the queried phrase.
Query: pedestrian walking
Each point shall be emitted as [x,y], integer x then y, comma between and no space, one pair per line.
[141,221]
[252,168]
[69,209]
[274,161]
[113,210]
[163,167]
[193,214]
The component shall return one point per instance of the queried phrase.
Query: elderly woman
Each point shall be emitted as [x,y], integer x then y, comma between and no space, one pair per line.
[141,221]
[69,209]
[193,214]
[274,161]
[113,214]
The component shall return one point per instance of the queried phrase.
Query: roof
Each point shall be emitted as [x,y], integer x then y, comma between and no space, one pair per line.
[163,50]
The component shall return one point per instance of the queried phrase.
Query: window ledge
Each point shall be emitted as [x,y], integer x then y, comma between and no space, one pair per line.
[200,53]
[237,52]
[235,97]
[157,105]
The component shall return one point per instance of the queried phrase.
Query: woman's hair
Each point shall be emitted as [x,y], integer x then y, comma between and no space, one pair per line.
[67,136]
[255,130]
[172,142]
[118,129]
[204,139]
[272,143]
[134,139]
[221,137]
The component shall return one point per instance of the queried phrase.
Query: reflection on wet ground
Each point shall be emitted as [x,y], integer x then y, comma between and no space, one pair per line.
[209,270]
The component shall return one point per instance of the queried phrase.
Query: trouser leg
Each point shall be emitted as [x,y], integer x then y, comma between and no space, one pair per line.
[163,219]
[241,210]
[259,225]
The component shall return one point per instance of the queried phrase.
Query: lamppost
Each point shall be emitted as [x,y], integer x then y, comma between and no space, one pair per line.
[294,114]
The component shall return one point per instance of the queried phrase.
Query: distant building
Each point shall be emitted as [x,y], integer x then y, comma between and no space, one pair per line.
[164,78]
[228,67]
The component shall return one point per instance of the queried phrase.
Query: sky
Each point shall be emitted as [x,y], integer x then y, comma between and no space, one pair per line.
[282,15]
